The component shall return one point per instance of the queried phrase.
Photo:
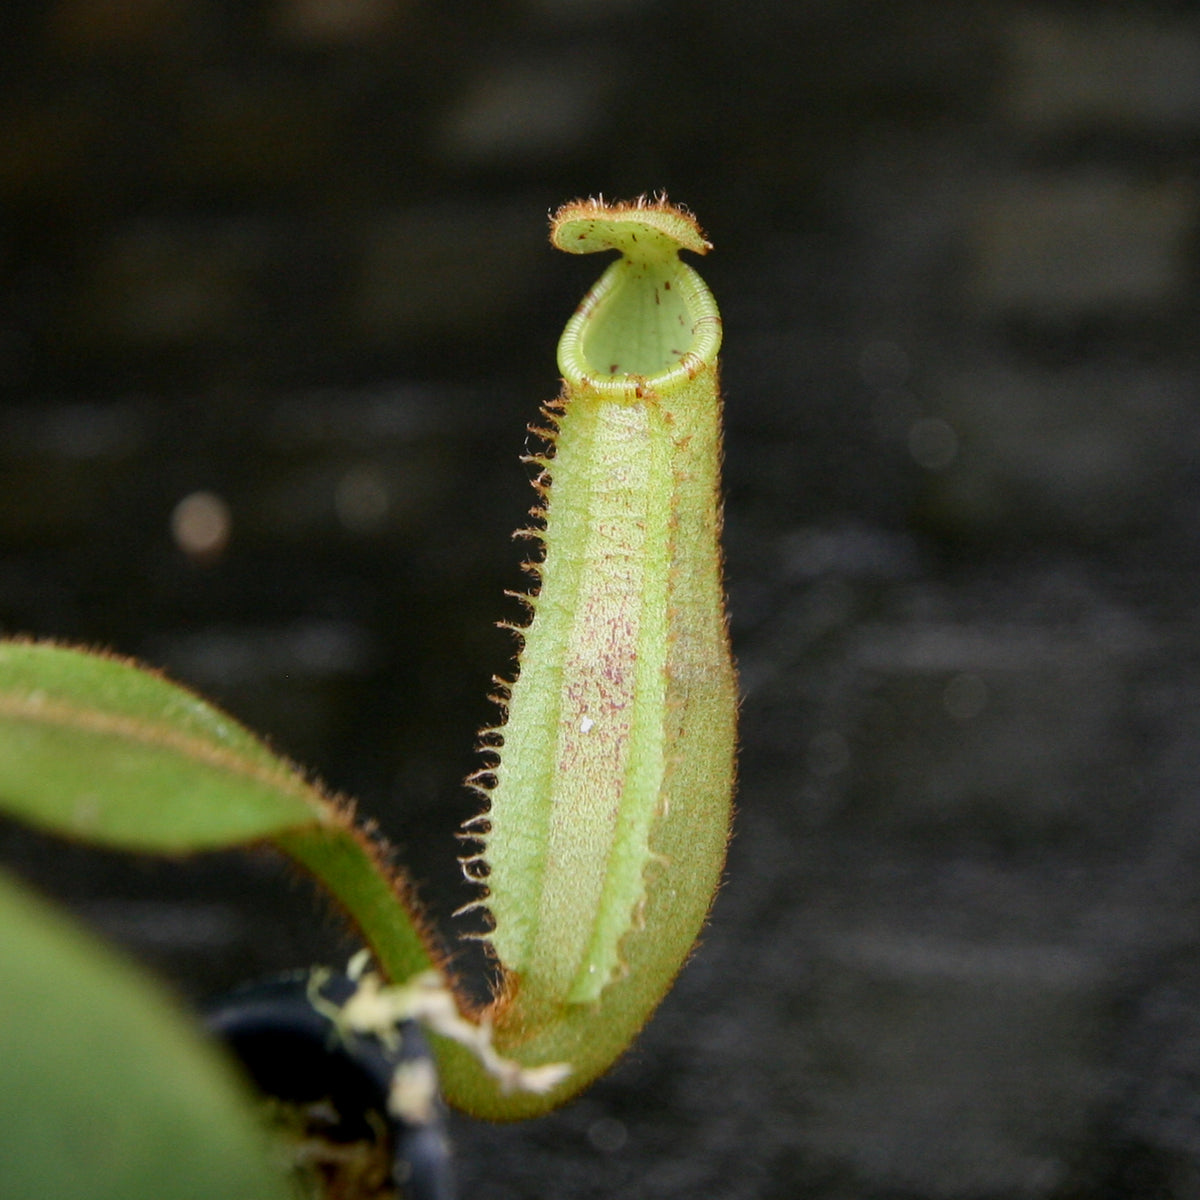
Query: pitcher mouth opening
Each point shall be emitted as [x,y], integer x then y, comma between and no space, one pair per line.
[650,321]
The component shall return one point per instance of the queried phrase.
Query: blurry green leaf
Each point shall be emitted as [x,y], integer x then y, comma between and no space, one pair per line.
[106,1090]
[102,750]
[96,748]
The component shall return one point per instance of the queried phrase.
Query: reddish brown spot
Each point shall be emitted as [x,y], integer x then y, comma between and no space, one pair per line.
[667,285]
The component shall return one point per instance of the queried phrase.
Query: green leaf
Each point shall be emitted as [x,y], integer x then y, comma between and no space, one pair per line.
[102,750]
[95,748]
[106,1089]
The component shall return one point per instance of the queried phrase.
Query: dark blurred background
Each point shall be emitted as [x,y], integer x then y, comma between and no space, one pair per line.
[276,305]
